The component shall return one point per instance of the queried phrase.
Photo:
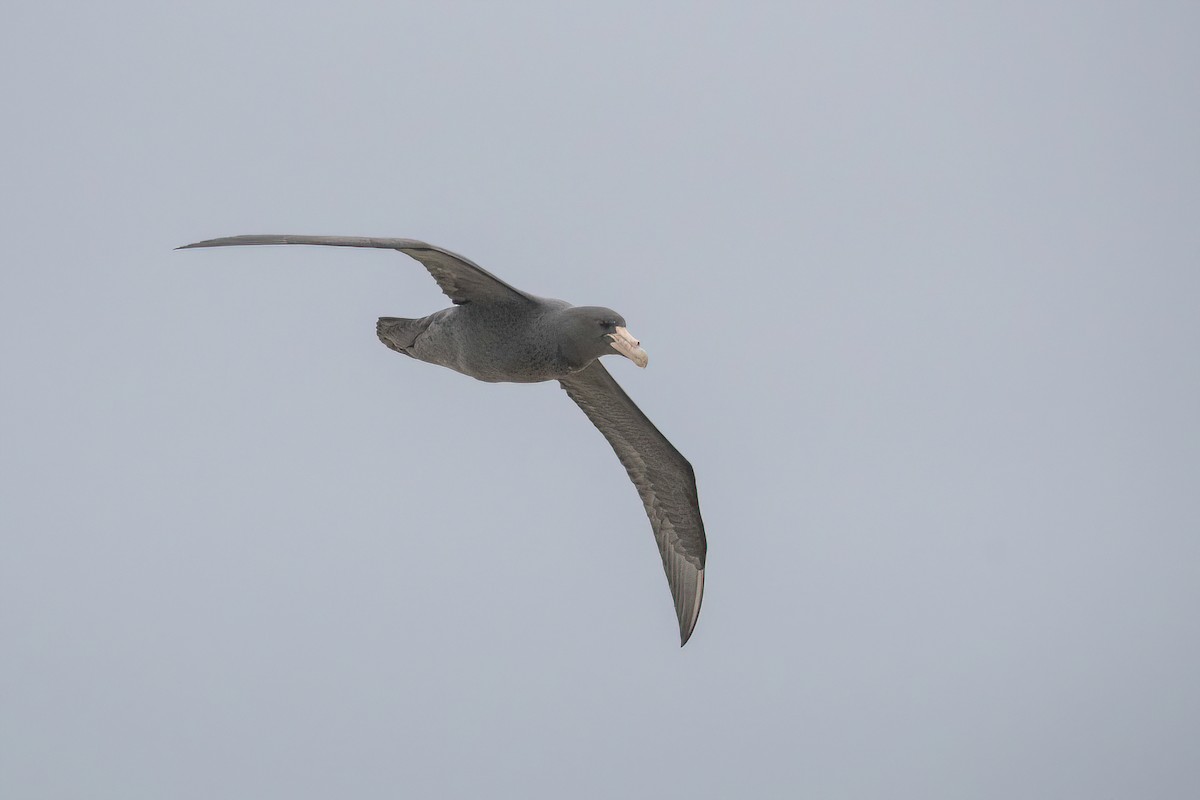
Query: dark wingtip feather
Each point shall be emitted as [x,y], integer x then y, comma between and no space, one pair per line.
[688,620]
[205,243]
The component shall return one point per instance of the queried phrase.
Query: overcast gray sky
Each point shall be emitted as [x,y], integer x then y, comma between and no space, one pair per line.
[920,287]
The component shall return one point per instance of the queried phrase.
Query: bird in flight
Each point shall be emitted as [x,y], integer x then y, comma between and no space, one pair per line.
[497,333]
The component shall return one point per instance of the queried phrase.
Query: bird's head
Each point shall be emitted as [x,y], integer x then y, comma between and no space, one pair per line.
[594,331]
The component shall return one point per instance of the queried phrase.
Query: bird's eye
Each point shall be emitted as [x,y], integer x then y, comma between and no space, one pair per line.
[607,324]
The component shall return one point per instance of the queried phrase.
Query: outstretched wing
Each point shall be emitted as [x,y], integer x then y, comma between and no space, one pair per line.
[663,478]
[461,279]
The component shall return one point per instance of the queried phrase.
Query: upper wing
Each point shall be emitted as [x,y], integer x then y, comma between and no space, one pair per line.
[461,279]
[664,479]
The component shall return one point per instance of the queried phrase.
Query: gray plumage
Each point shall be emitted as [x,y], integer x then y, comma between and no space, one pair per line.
[498,333]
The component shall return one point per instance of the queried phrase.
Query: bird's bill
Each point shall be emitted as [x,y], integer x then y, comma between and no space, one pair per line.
[624,343]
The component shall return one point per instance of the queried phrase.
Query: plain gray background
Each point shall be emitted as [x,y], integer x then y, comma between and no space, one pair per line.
[919,287]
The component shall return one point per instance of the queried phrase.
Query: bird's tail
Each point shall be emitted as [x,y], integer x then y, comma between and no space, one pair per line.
[399,334]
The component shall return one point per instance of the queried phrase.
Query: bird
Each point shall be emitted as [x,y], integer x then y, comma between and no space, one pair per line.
[495,332]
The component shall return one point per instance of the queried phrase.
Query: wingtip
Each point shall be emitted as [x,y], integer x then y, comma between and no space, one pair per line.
[225,240]
[688,624]
[685,633]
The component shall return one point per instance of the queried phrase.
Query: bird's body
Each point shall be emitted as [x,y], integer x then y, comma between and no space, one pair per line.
[497,333]
[497,342]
